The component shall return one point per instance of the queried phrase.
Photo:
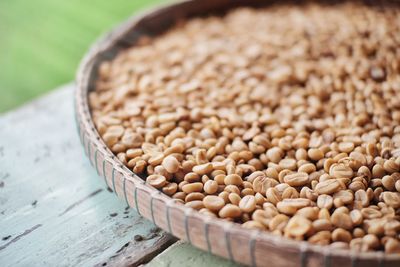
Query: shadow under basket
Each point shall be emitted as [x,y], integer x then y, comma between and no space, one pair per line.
[223,238]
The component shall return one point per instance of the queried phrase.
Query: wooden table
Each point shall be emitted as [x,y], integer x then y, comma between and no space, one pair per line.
[55,211]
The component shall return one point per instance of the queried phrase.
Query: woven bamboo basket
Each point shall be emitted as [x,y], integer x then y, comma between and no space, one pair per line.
[223,238]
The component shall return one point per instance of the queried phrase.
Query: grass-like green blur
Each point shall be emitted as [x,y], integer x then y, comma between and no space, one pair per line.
[42,41]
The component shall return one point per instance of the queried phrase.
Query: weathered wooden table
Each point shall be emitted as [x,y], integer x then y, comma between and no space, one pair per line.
[55,211]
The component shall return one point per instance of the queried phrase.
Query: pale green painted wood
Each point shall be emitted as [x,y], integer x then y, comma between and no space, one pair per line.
[182,254]
[54,209]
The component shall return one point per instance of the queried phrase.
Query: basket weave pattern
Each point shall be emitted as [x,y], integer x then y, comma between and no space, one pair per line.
[223,238]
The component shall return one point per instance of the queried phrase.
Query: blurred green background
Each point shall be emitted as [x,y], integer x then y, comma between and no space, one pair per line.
[42,41]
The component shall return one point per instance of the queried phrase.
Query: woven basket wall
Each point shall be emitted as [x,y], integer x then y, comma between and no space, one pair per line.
[226,239]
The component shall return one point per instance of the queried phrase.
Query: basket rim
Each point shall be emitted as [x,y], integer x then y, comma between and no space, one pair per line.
[83,115]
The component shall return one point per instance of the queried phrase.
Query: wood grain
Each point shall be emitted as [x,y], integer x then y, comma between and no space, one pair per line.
[54,210]
[133,256]
[181,254]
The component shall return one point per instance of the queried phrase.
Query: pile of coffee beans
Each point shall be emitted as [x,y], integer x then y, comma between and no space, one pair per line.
[284,119]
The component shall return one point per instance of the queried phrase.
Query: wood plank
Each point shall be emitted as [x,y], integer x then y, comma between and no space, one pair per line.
[182,254]
[134,256]
[54,210]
